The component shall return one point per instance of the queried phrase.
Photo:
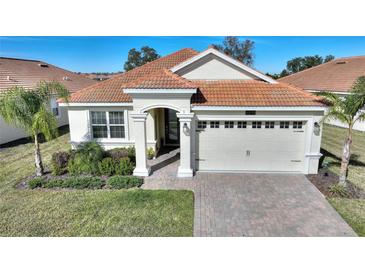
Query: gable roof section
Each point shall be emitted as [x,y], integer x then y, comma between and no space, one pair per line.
[28,73]
[163,79]
[337,75]
[110,91]
[251,93]
[227,58]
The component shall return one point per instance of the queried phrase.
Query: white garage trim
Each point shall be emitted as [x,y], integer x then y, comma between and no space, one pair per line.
[224,108]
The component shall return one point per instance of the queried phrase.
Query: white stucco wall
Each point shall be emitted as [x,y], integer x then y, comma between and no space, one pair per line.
[80,130]
[10,133]
[213,68]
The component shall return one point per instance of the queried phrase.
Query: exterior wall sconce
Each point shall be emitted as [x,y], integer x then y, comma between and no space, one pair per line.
[186,129]
[317,129]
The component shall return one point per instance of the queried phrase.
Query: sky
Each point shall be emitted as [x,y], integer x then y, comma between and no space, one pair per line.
[108,53]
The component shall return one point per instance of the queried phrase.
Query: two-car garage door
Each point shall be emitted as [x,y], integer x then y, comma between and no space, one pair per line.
[263,146]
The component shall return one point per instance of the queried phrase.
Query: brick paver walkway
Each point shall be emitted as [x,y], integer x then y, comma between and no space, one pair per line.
[254,204]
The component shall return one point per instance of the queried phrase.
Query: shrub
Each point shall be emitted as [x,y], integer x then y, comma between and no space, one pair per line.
[150,153]
[59,162]
[85,159]
[124,167]
[119,182]
[82,182]
[107,166]
[52,183]
[122,152]
[36,182]
[118,153]
[338,190]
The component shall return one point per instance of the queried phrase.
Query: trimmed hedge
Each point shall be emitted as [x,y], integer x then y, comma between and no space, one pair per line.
[124,167]
[107,167]
[36,182]
[119,182]
[115,182]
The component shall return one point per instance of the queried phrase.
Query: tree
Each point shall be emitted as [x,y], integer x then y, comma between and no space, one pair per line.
[301,63]
[29,110]
[138,58]
[346,110]
[240,50]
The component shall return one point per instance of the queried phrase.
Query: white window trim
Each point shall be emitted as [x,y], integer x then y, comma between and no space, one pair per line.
[108,139]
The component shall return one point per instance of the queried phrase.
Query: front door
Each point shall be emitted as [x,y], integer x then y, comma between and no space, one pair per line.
[172,127]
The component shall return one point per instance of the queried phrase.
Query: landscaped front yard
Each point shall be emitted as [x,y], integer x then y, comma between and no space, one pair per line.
[43,212]
[352,210]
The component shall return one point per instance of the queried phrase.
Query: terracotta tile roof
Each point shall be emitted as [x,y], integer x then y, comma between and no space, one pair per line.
[111,90]
[28,73]
[337,75]
[156,74]
[161,79]
[251,93]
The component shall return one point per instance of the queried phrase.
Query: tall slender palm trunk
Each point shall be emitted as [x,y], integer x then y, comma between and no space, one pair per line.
[38,159]
[346,154]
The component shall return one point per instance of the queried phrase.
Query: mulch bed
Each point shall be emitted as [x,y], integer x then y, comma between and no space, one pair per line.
[325,178]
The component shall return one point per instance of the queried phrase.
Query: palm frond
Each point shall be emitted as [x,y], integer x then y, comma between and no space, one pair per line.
[45,122]
[49,89]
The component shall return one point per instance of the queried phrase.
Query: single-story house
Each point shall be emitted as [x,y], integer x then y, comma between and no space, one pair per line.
[224,116]
[28,74]
[337,76]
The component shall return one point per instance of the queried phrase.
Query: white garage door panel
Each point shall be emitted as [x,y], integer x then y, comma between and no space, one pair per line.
[249,149]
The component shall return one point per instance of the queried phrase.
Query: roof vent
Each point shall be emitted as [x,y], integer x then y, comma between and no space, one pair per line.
[341,62]
[66,78]
[43,65]
[8,78]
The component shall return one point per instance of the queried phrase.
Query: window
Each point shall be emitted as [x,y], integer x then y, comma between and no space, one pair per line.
[250,112]
[270,124]
[284,124]
[214,124]
[297,124]
[54,107]
[242,124]
[228,124]
[256,124]
[202,124]
[108,124]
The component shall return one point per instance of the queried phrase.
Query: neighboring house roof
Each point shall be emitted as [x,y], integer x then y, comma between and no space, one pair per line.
[28,73]
[158,75]
[338,75]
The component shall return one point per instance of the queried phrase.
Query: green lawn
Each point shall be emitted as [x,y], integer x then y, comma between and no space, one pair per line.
[352,210]
[85,212]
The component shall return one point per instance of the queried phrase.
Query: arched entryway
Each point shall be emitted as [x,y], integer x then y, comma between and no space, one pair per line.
[169,128]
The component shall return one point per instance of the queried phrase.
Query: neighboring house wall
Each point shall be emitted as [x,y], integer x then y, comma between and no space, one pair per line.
[9,133]
[358,125]
[214,68]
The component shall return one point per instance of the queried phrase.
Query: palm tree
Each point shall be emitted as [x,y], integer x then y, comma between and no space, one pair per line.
[348,111]
[29,110]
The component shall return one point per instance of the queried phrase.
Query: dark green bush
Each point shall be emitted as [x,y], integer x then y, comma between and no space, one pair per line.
[85,159]
[82,182]
[107,167]
[53,183]
[36,182]
[59,162]
[119,182]
[122,152]
[124,167]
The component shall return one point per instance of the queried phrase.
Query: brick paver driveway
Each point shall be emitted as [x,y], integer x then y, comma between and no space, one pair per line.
[254,204]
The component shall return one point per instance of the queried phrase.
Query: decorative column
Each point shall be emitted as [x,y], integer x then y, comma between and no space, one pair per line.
[139,122]
[186,132]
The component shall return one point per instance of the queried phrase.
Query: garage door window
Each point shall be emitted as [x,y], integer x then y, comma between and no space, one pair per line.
[241,124]
[297,124]
[214,124]
[284,124]
[228,124]
[256,124]
[202,124]
[269,124]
